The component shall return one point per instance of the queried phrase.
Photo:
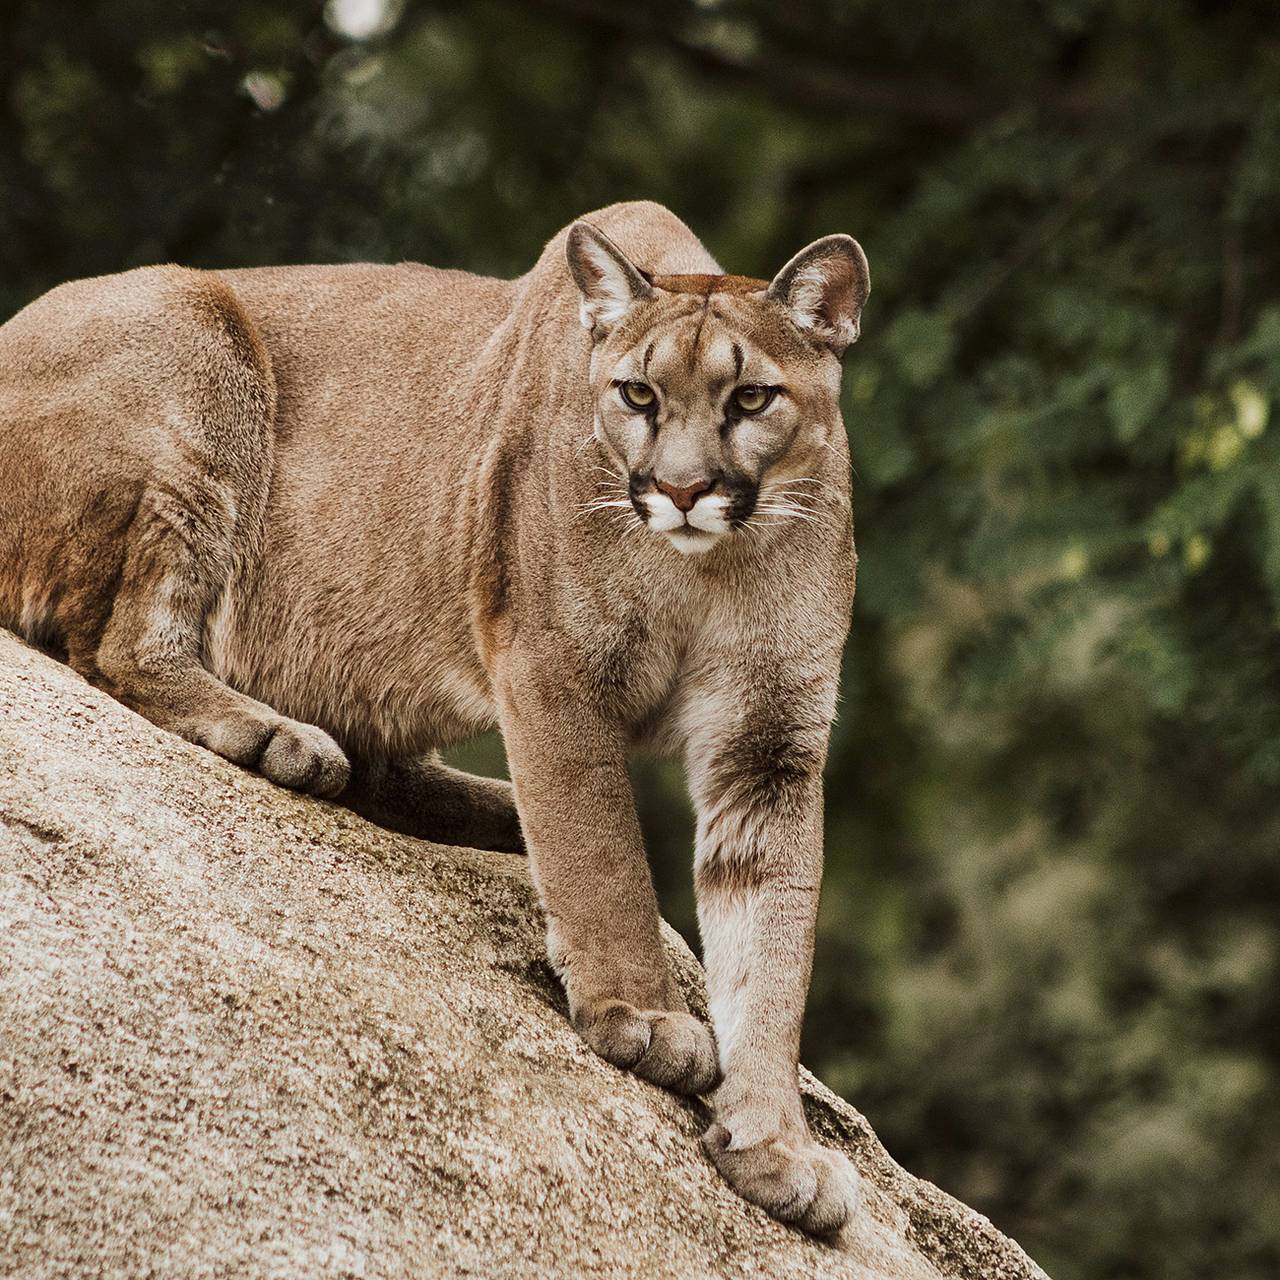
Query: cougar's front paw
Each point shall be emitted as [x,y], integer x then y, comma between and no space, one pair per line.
[794,1179]
[671,1049]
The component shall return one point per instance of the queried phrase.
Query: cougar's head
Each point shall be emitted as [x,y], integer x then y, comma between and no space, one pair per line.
[714,394]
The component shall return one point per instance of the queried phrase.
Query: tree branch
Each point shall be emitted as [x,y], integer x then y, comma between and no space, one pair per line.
[823,83]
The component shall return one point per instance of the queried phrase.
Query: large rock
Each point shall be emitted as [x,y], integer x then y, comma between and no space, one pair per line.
[245,1033]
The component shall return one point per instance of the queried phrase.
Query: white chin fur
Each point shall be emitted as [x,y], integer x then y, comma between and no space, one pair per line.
[692,542]
[708,514]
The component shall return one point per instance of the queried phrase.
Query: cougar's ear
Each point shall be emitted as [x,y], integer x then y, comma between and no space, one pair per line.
[609,281]
[823,288]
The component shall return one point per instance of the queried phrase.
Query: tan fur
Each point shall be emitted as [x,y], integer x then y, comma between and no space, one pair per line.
[708,282]
[327,520]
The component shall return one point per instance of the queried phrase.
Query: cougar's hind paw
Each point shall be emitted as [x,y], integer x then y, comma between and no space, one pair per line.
[305,758]
[289,753]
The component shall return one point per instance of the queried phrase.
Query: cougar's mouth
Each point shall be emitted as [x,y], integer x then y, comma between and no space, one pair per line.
[692,526]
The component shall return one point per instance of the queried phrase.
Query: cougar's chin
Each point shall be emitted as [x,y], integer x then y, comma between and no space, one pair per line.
[692,541]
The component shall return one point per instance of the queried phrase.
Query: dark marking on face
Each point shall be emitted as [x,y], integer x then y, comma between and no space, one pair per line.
[697,335]
[638,484]
[742,493]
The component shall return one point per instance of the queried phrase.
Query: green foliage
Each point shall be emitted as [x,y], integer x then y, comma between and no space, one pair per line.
[1048,952]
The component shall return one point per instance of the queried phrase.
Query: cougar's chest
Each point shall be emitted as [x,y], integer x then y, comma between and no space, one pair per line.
[644,670]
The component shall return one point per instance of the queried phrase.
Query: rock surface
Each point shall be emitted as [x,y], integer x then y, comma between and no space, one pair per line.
[246,1034]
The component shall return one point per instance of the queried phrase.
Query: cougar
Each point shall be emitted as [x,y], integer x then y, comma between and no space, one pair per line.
[327,520]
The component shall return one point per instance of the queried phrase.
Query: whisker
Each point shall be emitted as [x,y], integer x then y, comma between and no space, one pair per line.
[788,508]
[782,504]
[783,486]
[784,513]
[824,494]
[613,506]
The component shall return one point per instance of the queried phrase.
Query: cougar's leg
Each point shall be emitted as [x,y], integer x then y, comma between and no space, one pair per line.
[604,934]
[755,756]
[195,409]
[421,797]
[176,563]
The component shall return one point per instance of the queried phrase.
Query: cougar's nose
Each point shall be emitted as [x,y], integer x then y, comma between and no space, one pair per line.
[685,497]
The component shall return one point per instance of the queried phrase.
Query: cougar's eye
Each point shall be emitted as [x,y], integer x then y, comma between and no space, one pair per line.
[639,395]
[751,399]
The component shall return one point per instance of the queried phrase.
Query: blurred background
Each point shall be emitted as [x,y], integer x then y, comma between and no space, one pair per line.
[1047,969]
